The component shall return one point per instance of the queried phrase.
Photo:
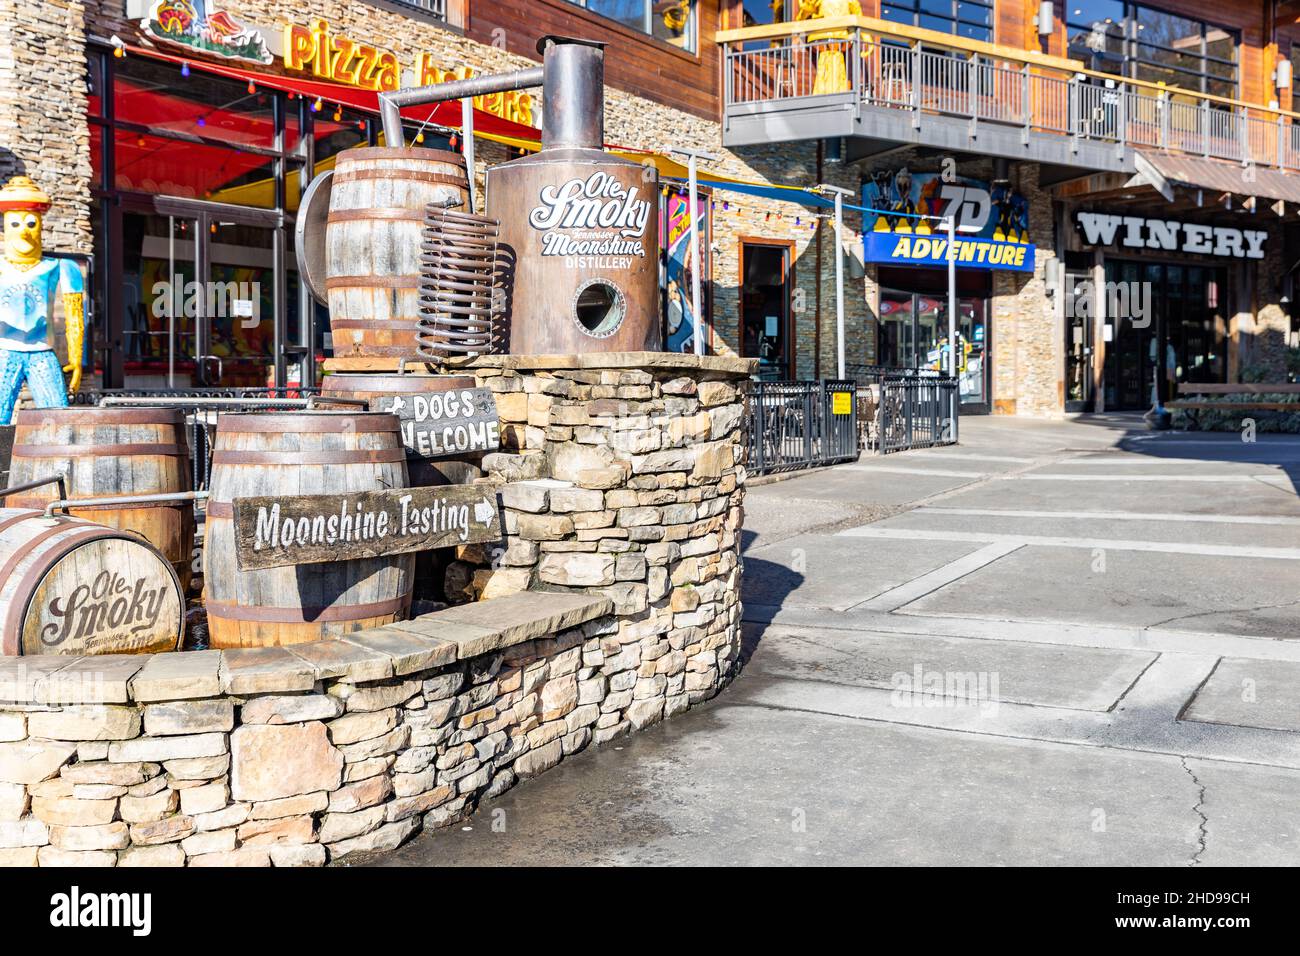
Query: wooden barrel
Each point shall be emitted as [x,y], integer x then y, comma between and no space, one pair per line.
[372,243]
[68,586]
[300,453]
[422,471]
[106,452]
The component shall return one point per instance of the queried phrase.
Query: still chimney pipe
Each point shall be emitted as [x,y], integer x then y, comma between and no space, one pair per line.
[573,93]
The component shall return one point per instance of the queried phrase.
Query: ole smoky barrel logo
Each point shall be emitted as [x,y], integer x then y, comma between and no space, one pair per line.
[109,607]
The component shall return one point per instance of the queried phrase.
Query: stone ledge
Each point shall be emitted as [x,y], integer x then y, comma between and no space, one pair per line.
[669,361]
[429,641]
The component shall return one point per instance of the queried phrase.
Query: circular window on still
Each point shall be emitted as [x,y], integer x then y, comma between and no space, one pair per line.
[599,308]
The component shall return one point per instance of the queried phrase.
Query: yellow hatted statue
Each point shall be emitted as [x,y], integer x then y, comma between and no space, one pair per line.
[28,284]
[832,75]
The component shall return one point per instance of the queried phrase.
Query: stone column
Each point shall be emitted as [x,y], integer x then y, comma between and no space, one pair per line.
[630,483]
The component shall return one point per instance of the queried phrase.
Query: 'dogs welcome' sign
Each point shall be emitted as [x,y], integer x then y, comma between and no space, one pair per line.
[441,424]
[273,531]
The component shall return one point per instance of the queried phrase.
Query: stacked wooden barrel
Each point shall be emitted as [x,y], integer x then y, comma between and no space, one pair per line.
[373,240]
[300,453]
[105,452]
[68,586]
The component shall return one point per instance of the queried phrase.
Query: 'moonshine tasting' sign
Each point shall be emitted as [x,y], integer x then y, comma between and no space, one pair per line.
[274,531]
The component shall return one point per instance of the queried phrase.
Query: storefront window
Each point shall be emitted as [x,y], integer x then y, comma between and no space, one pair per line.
[1149,44]
[914,326]
[196,171]
[672,21]
[156,95]
[189,170]
[972,19]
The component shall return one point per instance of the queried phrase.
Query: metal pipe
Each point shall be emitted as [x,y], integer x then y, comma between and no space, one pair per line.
[64,504]
[952,317]
[38,483]
[840,193]
[694,258]
[467,149]
[391,103]
[573,107]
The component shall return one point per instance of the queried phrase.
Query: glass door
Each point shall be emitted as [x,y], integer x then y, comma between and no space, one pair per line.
[161,300]
[199,295]
[914,335]
[238,341]
[765,308]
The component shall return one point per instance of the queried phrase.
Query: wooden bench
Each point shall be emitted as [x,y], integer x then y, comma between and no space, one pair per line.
[1194,407]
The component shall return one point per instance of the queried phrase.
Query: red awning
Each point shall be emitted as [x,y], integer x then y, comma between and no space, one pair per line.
[445,114]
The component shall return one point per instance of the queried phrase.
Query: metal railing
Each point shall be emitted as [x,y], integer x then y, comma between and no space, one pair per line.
[793,425]
[905,408]
[201,406]
[931,77]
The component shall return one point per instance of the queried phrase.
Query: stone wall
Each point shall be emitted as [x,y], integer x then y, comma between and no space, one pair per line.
[43,130]
[300,755]
[628,482]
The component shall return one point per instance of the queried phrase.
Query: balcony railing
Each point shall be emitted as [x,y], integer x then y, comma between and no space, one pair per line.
[922,73]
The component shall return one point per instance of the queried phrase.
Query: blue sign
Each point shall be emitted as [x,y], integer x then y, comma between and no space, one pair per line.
[992,224]
[932,250]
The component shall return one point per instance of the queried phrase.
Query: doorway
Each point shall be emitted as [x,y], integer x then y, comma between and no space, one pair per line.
[913,314]
[765,331]
[205,294]
[1149,302]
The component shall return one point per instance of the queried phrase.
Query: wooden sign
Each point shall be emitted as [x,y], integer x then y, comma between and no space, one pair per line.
[274,531]
[442,424]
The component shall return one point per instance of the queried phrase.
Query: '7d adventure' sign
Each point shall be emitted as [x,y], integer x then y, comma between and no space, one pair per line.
[277,531]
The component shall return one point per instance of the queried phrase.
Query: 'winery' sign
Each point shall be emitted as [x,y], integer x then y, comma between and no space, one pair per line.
[278,531]
[1170,235]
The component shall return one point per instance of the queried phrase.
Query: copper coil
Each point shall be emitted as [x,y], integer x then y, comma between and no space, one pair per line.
[458,279]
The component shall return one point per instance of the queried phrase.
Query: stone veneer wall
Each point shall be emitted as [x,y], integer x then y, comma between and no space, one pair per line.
[629,483]
[299,755]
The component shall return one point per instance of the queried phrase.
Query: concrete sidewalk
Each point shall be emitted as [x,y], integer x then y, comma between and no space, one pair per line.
[1057,643]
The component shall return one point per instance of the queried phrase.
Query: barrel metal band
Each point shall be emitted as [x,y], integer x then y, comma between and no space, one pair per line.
[361,456]
[100,415]
[375,325]
[228,611]
[100,451]
[382,213]
[358,422]
[372,282]
[406,175]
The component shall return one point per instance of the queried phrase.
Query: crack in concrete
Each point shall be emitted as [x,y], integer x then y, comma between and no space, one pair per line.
[1225,610]
[1203,827]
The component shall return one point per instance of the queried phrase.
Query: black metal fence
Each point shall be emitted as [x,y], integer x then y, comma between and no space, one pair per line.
[906,408]
[794,425]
